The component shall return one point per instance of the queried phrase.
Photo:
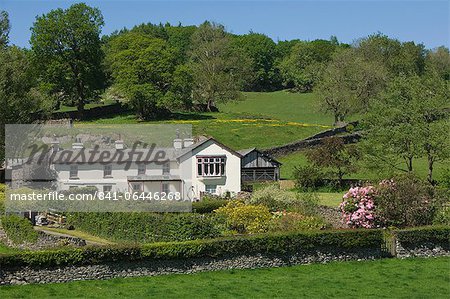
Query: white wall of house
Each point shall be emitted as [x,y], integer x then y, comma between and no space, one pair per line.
[190,186]
[231,181]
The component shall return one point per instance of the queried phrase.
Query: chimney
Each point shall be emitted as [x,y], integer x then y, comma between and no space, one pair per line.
[178,143]
[119,144]
[188,142]
[77,144]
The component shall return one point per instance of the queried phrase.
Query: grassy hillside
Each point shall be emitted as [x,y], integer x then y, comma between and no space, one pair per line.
[386,278]
[282,116]
[299,159]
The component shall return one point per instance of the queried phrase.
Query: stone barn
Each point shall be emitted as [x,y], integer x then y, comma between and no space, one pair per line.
[257,166]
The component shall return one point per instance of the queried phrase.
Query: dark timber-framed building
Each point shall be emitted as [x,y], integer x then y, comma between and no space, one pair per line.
[257,166]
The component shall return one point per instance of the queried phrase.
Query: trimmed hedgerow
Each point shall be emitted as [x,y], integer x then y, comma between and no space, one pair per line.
[264,244]
[431,234]
[146,227]
[208,205]
[18,229]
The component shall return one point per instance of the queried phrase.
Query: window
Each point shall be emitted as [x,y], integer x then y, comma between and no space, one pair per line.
[165,188]
[142,168]
[73,171]
[136,187]
[211,188]
[211,166]
[107,189]
[166,168]
[107,170]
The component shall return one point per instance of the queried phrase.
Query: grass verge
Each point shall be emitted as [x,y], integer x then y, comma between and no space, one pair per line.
[387,278]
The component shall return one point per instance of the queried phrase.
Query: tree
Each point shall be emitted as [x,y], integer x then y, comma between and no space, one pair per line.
[398,58]
[349,83]
[409,121]
[218,72]
[438,60]
[143,70]
[335,157]
[262,51]
[19,97]
[302,68]
[67,49]
[4,28]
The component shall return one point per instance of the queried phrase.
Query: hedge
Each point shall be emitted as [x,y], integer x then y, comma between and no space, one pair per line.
[18,229]
[431,234]
[264,244]
[208,205]
[146,227]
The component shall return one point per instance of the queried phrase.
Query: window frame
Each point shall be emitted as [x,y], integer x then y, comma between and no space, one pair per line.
[71,171]
[105,175]
[209,191]
[211,166]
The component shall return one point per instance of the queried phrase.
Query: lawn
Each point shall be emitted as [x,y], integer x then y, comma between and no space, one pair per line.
[387,278]
[5,249]
[299,159]
[284,116]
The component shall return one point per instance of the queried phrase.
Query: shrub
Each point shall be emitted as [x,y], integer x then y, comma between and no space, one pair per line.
[207,205]
[407,201]
[442,217]
[308,178]
[358,207]
[19,229]
[276,199]
[430,234]
[243,218]
[270,243]
[291,221]
[146,227]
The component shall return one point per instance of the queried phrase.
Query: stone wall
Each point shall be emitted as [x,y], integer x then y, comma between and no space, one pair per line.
[27,275]
[427,249]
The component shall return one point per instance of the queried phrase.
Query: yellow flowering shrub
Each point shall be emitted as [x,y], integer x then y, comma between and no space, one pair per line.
[243,218]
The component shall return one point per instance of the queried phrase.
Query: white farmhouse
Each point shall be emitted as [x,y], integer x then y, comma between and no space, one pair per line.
[188,168]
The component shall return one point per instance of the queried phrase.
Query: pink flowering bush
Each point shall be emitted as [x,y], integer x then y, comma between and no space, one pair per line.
[358,207]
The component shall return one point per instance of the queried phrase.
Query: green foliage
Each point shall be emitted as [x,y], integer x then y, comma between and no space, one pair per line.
[143,70]
[349,83]
[407,201]
[303,67]
[146,227]
[274,198]
[406,123]
[5,27]
[308,178]
[442,216]
[2,199]
[219,72]
[207,205]
[334,157]
[432,234]
[292,221]
[67,50]
[242,218]
[19,96]
[270,243]
[262,52]
[18,229]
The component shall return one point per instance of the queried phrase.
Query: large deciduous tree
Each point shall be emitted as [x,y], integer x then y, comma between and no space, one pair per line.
[349,83]
[19,97]
[219,73]
[409,121]
[147,73]
[67,49]
[262,52]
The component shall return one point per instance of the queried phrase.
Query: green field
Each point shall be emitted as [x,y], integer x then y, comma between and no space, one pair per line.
[299,159]
[387,278]
[284,116]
